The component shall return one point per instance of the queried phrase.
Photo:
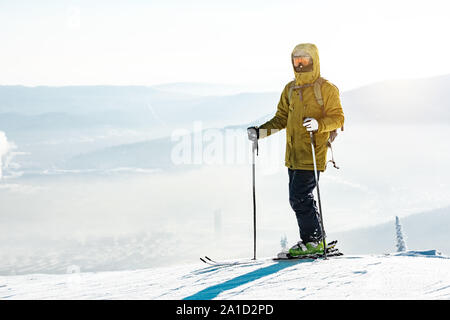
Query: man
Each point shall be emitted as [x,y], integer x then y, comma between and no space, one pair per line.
[300,111]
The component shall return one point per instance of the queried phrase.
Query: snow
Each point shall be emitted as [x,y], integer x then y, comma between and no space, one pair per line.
[404,275]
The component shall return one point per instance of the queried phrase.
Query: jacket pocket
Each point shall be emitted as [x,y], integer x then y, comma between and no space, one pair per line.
[321,138]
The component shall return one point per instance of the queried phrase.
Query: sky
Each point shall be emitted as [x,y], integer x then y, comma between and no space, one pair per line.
[245,43]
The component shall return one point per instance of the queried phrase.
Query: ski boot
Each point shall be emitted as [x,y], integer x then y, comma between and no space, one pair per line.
[313,250]
[313,247]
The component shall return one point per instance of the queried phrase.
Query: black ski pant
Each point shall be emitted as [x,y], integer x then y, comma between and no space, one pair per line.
[301,198]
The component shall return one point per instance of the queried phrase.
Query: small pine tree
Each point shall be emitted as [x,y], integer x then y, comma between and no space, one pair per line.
[283,242]
[401,244]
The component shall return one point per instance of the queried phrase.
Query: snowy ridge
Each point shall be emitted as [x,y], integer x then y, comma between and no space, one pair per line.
[405,275]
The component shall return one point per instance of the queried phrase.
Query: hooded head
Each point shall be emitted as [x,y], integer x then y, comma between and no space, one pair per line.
[309,74]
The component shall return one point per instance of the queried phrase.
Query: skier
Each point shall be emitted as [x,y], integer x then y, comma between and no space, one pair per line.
[309,103]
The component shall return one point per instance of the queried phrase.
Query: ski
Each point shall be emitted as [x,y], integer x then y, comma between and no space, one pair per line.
[331,253]
[205,261]
[214,263]
[211,259]
[332,244]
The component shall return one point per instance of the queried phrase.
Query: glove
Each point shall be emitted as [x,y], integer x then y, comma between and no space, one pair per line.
[311,124]
[253,133]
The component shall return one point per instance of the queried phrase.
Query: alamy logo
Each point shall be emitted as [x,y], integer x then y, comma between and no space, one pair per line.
[228,146]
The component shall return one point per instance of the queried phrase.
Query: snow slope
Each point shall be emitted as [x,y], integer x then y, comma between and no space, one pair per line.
[407,275]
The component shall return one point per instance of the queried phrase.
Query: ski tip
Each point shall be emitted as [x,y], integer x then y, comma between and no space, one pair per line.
[332,243]
[203,260]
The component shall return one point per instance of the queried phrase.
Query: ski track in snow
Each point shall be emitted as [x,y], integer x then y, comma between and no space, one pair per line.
[409,275]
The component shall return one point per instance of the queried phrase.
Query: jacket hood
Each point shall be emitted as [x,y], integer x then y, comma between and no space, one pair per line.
[302,78]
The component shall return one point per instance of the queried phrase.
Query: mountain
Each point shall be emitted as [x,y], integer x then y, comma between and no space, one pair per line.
[180,104]
[400,101]
[407,275]
[423,231]
[155,154]
[200,89]
[64,108]
[78,99]
[147,154]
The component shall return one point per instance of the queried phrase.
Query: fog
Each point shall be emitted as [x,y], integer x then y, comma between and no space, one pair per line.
[108,220]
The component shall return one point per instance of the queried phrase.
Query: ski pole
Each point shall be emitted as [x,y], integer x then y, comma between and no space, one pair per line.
[322,229]
[254,148]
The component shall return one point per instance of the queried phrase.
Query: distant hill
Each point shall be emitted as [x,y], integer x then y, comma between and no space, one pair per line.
[150,154]
[29,113]
[147,154]
[30,108]
[79,99]
[45,108]
[428,230]
[201,89]
[400,101]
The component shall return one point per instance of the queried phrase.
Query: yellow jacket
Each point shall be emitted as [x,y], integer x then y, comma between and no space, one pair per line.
[303,104]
